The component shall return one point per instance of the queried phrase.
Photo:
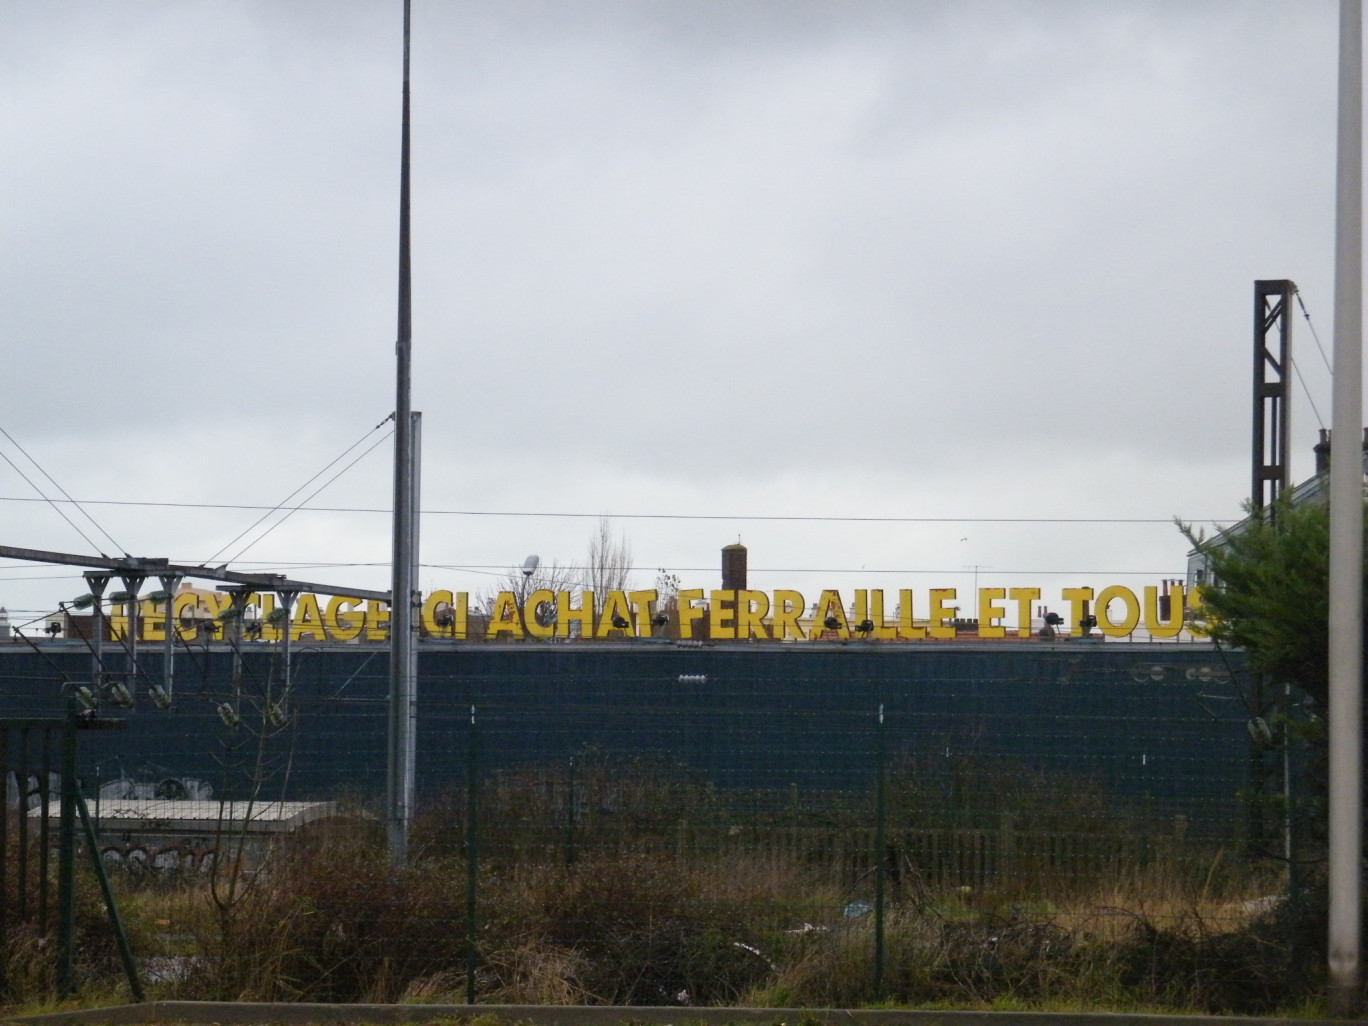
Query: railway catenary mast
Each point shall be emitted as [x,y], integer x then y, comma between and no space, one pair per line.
[1272,370]
[403,650]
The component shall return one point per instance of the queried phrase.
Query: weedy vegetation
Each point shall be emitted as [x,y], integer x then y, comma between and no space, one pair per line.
[631,885]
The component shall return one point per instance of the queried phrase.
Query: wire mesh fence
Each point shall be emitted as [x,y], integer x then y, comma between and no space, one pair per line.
[659,824]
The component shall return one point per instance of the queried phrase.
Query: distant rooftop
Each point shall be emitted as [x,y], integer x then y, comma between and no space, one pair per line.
[174,815]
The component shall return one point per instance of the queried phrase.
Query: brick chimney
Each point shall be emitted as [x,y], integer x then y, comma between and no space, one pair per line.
[734,567]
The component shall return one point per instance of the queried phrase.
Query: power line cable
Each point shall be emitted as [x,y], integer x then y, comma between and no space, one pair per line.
[1307,314]
[1296,369]
[783,517]
[287,498]
[276,564]
[499,570]
[64,492]
[757,517]
[246,565]
[54,505]
[40,577]
[503,569]
[320,488]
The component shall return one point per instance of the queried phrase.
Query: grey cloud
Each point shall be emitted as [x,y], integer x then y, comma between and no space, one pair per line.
[660,249]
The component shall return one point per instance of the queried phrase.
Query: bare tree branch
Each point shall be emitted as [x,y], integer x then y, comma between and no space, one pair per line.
[549,576]
[609,563]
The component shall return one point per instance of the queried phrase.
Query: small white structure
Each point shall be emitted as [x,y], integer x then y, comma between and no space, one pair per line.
[172,834]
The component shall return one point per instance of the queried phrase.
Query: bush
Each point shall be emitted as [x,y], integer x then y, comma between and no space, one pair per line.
[325,922]
[932,957]
[734,906]
[332,923]
[636,930]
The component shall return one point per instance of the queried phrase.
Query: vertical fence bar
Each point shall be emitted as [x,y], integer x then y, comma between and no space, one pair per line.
[21,780]
[4,855]
[44,833]
[1255,828]
[66,858]
[1285,735]
[115,920]
[22,899]
[570,814]
[880,855]
[472,869]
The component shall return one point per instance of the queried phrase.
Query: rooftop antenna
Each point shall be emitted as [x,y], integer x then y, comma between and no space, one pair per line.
[403,690]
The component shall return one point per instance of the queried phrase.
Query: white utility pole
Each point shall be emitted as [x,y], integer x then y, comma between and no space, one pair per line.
[403,689]
[1345,713]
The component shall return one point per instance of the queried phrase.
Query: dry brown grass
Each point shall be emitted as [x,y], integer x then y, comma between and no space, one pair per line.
[331,924]
[629,904]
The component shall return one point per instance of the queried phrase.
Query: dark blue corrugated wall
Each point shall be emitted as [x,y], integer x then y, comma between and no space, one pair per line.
[1146,721]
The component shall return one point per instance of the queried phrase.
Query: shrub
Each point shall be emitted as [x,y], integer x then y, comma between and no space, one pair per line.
[634,930]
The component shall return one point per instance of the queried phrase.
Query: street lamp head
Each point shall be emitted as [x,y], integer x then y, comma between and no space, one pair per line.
[530,564]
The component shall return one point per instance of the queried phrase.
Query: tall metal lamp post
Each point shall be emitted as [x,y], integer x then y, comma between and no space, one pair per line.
[403,689]
[1345,712]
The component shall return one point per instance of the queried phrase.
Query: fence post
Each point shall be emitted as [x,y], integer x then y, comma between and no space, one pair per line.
[1005,868]
[66,857]
[115,920]
[21,778]
[879,855]
[44,830]
[472,869]
[4,851]
[570,814]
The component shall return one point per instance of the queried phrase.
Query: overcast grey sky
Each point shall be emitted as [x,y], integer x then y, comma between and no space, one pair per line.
[730,259]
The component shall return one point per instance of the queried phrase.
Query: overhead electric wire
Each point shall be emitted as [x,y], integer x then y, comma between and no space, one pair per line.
[98,527]
[1307,314]
[1296,369]
[498,570]
[53,504]
[320,488]
[504,568]
[42,615]
[281,565]
[795,518]
[758,517]
[44,577]
[287,498]
[501,569]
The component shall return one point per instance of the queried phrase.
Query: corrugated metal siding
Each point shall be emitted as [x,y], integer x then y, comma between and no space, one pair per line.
[768,716]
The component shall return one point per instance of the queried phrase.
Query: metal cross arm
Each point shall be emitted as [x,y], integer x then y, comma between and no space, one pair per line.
[148,565]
